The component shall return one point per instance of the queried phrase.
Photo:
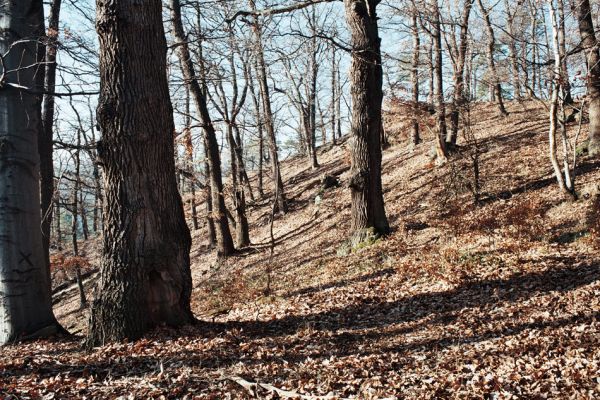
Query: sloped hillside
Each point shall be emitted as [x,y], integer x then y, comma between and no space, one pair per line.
[494,298]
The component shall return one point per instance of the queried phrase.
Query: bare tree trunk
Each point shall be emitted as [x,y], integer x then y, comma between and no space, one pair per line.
[415,137]
[564,177]
[25,301]
[565,83]
[366,74]
[512,50]
[459,74]
[75,196]
[431,94]
[334,94]
[589,43]
[189,151]
[98,199]
[491,46]
[212,236]
[249,76]
[145,275]
[440,107]
[45,144]
[268,113]
[224,239]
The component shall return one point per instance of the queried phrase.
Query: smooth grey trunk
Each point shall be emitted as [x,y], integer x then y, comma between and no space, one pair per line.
[25,300]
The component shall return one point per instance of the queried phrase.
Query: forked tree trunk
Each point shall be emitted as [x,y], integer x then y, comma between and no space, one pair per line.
[589,43]
[25,300]
[366,75]
[564,176]
[224,239]
[145,275]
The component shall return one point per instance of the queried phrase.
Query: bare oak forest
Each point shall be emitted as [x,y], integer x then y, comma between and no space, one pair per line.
[300,199]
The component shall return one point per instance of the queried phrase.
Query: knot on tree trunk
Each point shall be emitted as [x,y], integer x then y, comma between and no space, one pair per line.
[358,181]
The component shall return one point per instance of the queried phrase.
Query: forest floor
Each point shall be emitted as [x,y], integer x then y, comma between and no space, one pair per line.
[494,300]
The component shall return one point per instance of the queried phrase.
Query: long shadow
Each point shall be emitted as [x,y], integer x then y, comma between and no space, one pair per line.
[373,311]
[537,184]
[342,283]
[344,325]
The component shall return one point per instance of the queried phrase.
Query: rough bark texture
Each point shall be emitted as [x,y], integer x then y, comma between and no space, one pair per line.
[366,75]
[589,43]
[224,239]
[45,137]
[145,277]
[25,301]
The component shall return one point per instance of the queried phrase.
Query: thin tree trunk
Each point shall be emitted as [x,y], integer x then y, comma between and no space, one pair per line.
[259,127]
[512,50]
[334,95]
[212,236]
[459,74]
[189,152]
[563,177]
[224,239]
[268,113]
[440,107]
[414,78]
[45,144]
[366,74]
[145,275]
[495,86]
[25,303]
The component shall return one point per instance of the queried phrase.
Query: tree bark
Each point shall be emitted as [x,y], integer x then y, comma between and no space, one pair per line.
[589,43]
[415,137]
[459,74]
[366,74]
[440,107]
[268,112]
[496,88]
[225,245]
[25,299]
[145,277]
[45,145]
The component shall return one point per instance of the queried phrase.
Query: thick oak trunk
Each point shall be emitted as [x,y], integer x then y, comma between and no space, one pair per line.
[25,300]
[145,277]
[366,75]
